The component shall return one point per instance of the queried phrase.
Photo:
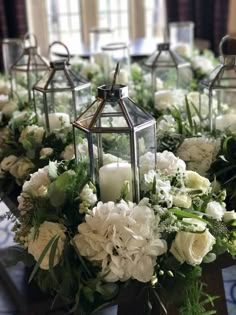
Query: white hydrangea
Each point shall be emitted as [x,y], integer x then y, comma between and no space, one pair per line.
[199,153]
[123,239]
[164,99]
[162,188]
[169,164]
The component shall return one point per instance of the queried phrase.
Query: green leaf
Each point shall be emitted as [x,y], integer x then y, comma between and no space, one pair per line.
[185,214]
[53,254]
[189,115]
[44,252]
[81,259]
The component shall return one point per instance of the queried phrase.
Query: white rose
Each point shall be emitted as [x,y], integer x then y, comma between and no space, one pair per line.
[68,153]
[45,152]
[21,168]
[164,99]
[203,64]
[182,201]
[47,231]
[215,210]
[4,135]
[88,195]
[9,108]
[32,131]
[195,181]
[192,247]
[7,162]
[229,216]
[169,164]
[37,181]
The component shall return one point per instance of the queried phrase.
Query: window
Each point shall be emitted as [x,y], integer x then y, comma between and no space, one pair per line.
[64,21]
[114,14]
[155,18]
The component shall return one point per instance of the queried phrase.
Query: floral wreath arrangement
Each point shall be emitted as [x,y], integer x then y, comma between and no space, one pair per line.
[87,251]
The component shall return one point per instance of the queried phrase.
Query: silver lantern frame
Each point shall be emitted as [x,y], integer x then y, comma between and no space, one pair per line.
[119,93]
[31,54]
[154,62]
[214,83]
[59,65]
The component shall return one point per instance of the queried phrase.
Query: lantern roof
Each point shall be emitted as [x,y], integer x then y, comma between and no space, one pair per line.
[60,77]
[30,60]
[224,74]
[114,111]
[164,57]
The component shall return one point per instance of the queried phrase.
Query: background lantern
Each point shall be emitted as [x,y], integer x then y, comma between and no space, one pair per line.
[117,53]
[12,49]
[221,85]
[61,94]
[167,65]
[27,70]
[116,133]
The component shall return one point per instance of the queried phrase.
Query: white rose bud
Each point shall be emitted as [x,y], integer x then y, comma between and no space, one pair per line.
[192,247]
[9,108]
[47,231]
[45,152]
[229,216]
[195,181]
[215,210]
[88,196]
[68,153]
[182,201]
[7,162]
[22,168]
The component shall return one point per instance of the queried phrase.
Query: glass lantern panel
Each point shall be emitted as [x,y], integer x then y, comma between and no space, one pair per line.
[137,115]
[111,116]
[112,159]
[82,100]
[81,145]
[39,107]
[86,118]
[169,76]
[146,150]
[59,81]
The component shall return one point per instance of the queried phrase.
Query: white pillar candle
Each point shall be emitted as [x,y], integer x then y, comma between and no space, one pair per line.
[122,77]
[227,121]
[56,120]
[112,178]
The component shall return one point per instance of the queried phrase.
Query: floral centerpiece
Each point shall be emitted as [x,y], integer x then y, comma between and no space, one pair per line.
[88,252]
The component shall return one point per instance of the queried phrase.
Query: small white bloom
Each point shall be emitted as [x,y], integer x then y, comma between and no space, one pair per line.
[203,64]
[37,181]
[88,195]
[167,124]
[68,153]
[45,152]
[21,168]
[195,181]
[215,210]
[47,231]
[182,200]
[192,247]
[7,162]
[169,164]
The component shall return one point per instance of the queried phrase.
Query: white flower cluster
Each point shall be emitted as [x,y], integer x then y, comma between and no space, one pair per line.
[202,64]
[199,153]
[122,239]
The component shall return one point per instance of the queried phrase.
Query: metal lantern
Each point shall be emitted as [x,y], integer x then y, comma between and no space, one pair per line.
[12,49]
[117,53]
[167,65]
[27,70]
[60,95]
[116,133]
[221,82]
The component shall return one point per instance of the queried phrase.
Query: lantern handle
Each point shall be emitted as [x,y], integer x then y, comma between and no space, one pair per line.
[29,36]
[62,44]
[115,75]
